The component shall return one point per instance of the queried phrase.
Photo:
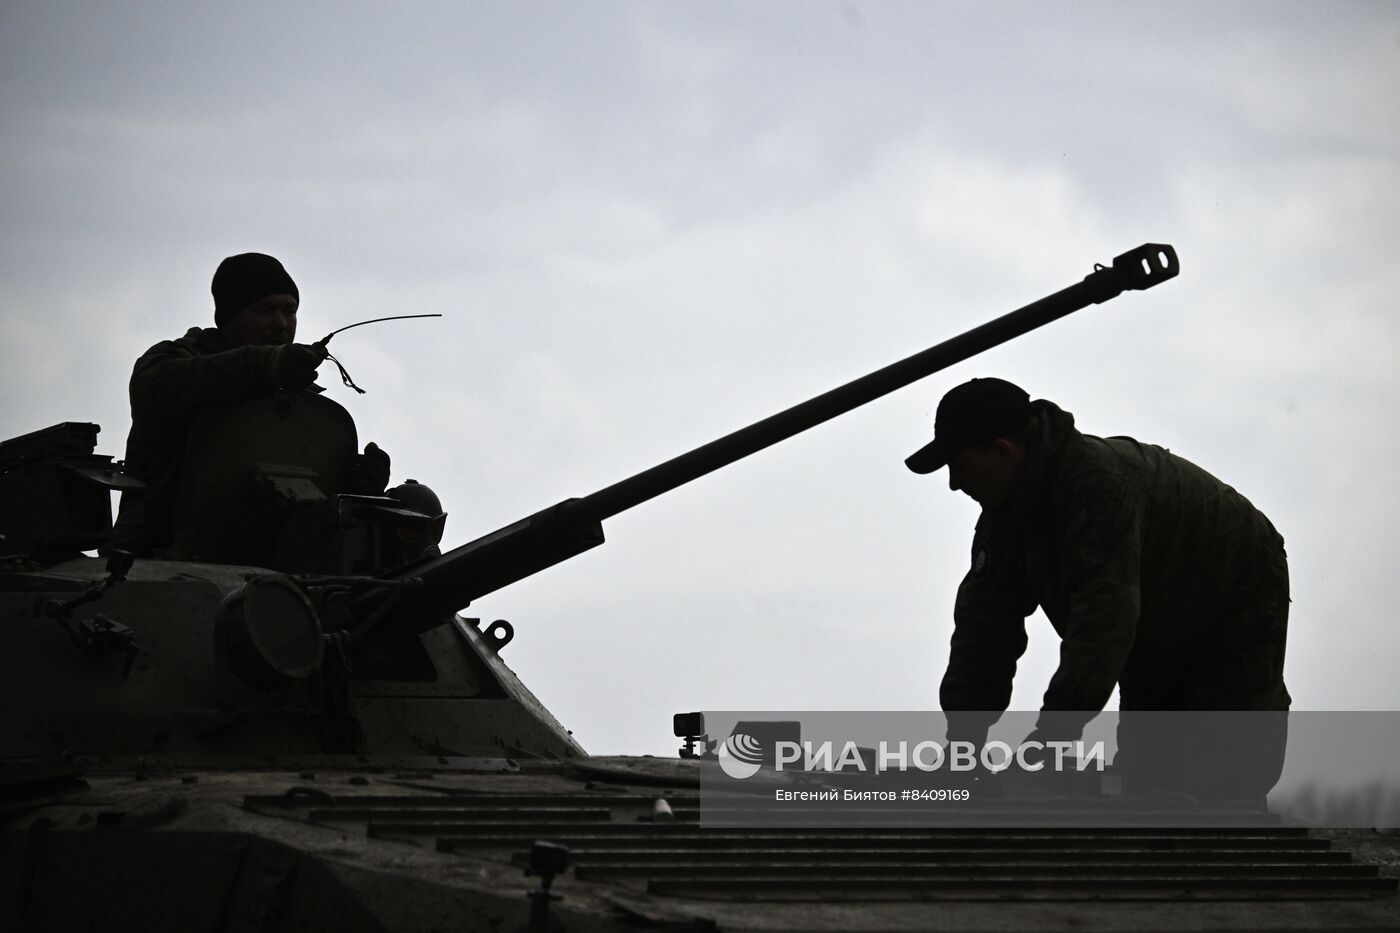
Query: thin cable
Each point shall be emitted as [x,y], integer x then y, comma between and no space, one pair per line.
[396,317]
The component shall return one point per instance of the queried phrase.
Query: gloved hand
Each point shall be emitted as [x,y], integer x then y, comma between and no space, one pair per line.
[294,364]
[369,474]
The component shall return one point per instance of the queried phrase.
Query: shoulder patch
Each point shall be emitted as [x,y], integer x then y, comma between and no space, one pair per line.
[980,559]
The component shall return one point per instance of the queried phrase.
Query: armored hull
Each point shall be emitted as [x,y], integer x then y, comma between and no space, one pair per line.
[172,796]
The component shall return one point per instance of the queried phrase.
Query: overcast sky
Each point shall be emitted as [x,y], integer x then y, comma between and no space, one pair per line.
[650,224]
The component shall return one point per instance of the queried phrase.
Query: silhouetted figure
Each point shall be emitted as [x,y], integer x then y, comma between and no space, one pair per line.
[247,354]
[1158,577]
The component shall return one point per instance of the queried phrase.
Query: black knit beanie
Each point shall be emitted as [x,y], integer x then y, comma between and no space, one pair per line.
[243,279]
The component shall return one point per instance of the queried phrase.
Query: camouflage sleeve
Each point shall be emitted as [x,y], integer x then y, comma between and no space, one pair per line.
[989,629]
[171,384]
[1099,575]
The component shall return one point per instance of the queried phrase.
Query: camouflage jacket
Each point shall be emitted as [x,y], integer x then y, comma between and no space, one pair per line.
[1138,557]
[171,384]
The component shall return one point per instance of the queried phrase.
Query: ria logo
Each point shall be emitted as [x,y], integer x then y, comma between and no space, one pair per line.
[741,756]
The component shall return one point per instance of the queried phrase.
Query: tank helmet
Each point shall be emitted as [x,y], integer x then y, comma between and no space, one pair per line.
[417,497]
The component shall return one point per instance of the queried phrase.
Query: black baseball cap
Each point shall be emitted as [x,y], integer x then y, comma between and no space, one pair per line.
[974,413]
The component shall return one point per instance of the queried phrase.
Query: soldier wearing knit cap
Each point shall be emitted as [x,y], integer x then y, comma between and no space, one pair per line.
[249,353]
[243,279]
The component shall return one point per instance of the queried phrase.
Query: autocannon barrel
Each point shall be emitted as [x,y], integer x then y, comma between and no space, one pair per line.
[1138,269]
[454,579]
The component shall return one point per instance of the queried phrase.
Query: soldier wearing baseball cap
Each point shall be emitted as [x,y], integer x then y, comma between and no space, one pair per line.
[1160,580]
[972,415]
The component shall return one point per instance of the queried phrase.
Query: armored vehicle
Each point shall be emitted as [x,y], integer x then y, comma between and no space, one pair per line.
[287,723]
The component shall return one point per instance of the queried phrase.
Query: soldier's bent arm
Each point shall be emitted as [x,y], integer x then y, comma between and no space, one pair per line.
[171,383]
[989,629]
